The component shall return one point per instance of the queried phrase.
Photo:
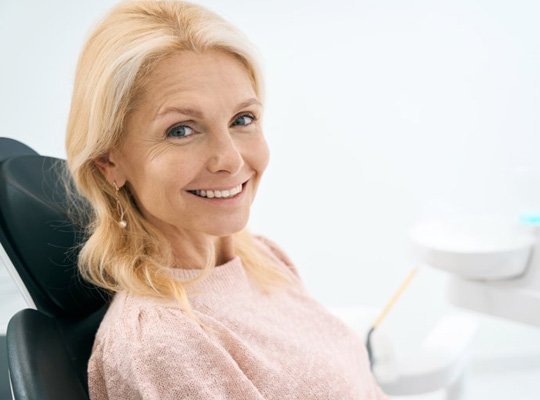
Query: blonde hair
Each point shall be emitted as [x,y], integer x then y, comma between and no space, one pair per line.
[113,69]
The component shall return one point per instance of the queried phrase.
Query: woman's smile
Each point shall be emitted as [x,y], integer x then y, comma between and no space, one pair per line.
[229,197]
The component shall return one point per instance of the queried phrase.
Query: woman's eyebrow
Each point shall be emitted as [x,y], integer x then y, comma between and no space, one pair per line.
[248,103]
[192,112]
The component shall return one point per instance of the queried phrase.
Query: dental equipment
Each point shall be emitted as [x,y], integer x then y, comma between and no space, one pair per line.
[494,264]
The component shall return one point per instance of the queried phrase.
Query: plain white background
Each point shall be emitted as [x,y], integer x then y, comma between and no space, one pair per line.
[379,113]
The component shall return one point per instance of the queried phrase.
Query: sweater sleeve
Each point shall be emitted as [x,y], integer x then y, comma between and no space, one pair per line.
[165,356]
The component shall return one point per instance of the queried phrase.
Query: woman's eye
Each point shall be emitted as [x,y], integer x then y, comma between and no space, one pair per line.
[179,131]
[244,120]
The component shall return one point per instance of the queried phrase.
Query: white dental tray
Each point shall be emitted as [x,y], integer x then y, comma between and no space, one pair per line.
[486,249]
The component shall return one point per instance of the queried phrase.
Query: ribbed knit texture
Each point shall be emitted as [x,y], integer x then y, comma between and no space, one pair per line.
[273,347]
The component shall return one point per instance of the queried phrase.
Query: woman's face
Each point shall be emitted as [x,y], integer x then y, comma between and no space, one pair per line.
[194,152]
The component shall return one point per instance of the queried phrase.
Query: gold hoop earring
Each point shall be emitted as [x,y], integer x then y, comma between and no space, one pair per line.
[122,223]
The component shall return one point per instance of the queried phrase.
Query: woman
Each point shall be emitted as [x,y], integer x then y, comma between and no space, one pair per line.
[165,141]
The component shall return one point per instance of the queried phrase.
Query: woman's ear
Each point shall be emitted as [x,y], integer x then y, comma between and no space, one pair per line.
[110,169]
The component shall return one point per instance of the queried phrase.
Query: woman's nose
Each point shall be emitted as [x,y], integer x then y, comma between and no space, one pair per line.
[224,154]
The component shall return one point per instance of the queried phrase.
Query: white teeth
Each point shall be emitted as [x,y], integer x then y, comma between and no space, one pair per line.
[219,193]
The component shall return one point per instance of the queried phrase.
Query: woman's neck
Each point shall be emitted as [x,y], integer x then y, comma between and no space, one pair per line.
[195,254]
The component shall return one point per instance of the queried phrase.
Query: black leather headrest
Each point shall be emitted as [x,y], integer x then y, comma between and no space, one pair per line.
[42,240]
[10,148]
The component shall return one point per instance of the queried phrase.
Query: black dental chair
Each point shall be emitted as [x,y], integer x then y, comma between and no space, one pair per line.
[48,347]
[8,148]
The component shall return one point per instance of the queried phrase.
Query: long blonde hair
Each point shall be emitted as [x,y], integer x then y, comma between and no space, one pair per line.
[113,68]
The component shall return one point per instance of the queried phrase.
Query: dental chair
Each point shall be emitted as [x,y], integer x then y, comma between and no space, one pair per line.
[49,344]
[9,148]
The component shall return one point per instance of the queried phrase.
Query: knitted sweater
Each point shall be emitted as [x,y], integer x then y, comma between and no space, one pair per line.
[284,345]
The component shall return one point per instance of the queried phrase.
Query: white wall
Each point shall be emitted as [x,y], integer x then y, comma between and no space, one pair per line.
[379,112]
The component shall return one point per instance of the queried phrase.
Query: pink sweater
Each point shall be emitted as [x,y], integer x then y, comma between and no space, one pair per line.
[272,347]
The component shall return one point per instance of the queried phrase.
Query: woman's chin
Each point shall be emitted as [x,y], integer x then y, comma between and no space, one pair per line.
[226,228]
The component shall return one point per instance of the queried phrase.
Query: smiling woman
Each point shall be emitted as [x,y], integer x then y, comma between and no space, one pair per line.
[172,165]
[165,141]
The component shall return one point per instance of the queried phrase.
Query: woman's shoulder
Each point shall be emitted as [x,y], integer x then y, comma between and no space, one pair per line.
[144,320]
[142,345]
[276,252]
